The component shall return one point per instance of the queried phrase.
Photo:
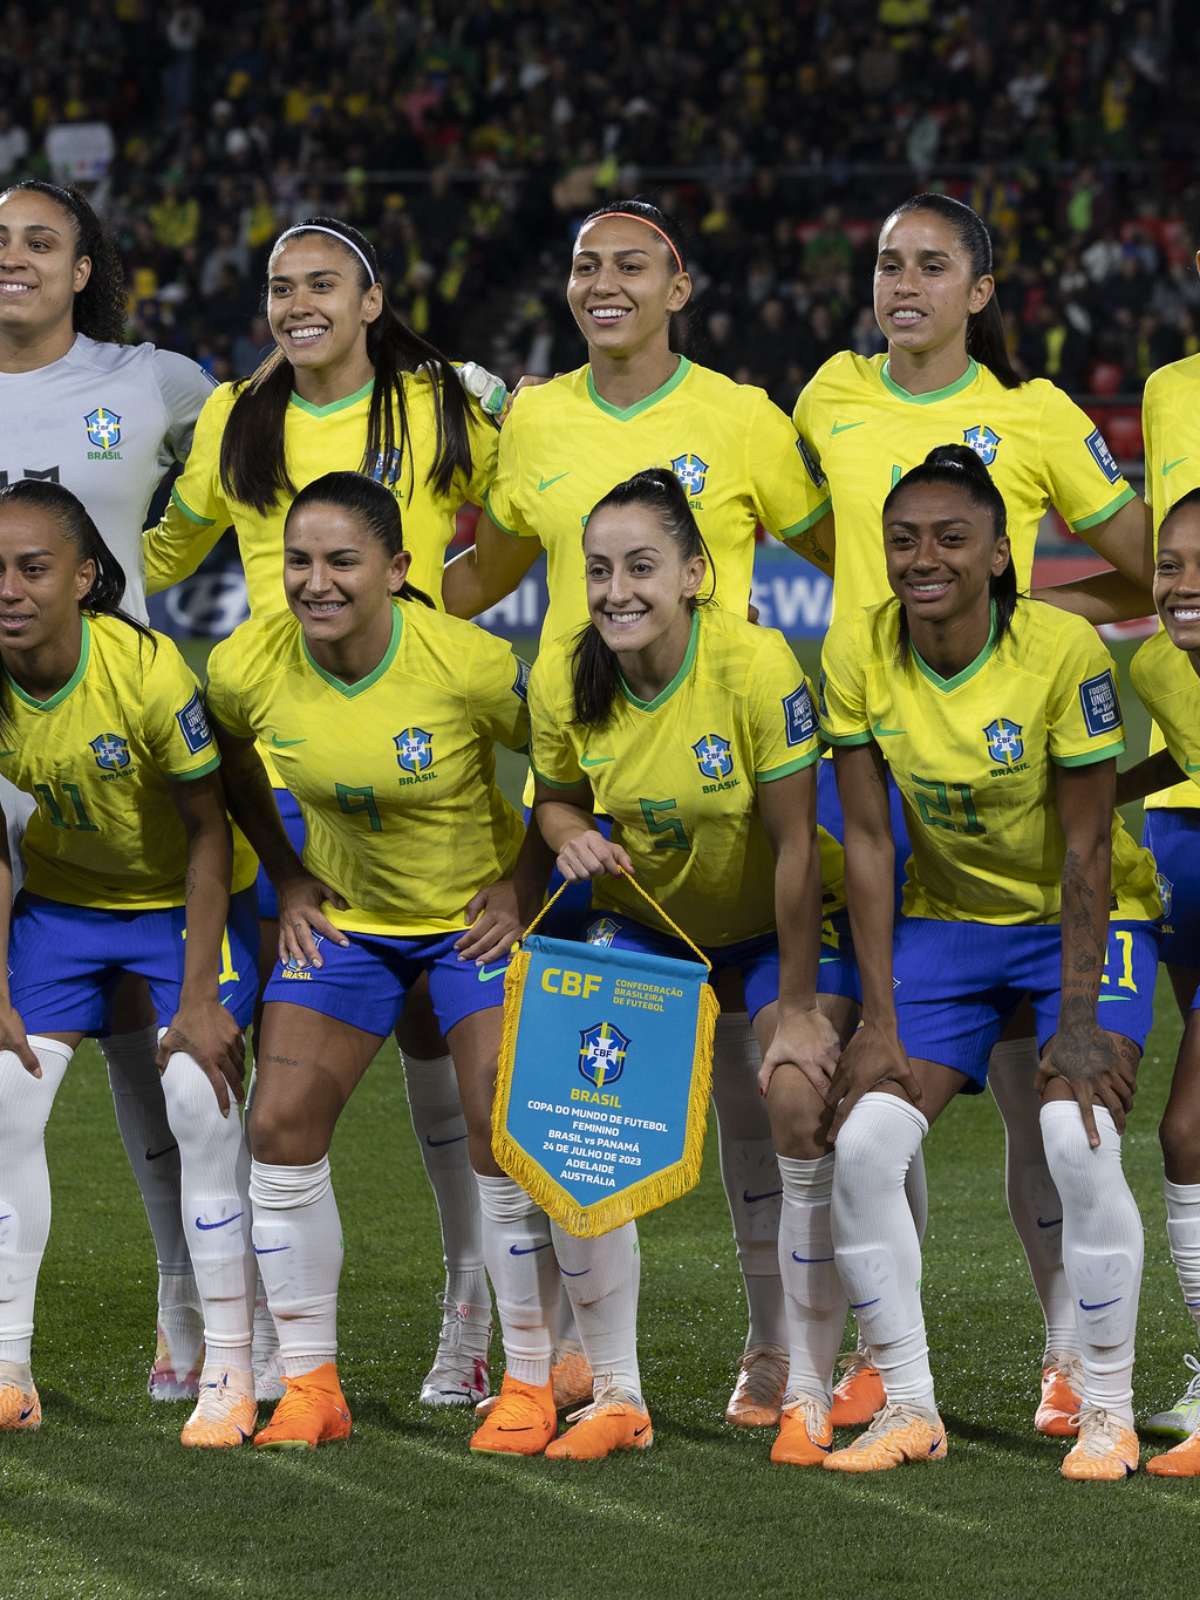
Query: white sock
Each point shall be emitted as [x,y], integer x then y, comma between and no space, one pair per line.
[815,1300]
[876,1245]
[603,1277]
[750,1174]
[1183,1234]
[441,1129]
[520,1263]
[150,1146]
[24,1189]
[298,1243]
[1033,1202]
[916,1192]
[265,1342]
[562,1324]
[214,1180]
[1102,1250]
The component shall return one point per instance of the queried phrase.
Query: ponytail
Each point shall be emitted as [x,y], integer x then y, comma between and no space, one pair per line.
[253,465]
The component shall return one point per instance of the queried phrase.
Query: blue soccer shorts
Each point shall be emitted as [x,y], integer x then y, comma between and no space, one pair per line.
[65,961]
[756,959]
[958,983]
[831,817]
[572,909]
[293,826]
[365,983]
[1173,839]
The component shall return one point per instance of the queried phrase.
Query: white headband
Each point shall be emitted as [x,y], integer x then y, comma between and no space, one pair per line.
[315,227]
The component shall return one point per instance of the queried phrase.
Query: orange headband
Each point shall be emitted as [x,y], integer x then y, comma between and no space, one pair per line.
[633,217]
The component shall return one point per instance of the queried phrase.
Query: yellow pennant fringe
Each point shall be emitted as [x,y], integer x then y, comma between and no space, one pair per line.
[602,1216]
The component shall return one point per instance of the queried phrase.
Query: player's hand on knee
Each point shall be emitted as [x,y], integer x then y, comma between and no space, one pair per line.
[806,1040]
[13,1037]
[205,1031]
[302,922]
[874,1056]
[1092,1064]
[591,855]
[495,924]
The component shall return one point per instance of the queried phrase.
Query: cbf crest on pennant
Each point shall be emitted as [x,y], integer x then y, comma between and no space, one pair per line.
[111,751]
[713,756]
[691,472]
[414,749]
[602,1050]
[103,428]
[1004,741]
[983,441]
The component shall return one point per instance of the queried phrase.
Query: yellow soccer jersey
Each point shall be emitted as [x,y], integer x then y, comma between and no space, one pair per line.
[1168,687]
[99,757]
[972,756]
[563,448]
[395,774]
[317,439]
[678,774]
[861,433]
[1171,433]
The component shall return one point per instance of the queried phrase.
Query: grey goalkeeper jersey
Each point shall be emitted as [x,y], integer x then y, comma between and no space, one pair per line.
[105,421]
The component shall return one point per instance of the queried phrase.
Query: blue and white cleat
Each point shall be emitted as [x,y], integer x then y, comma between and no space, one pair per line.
[1183,1419]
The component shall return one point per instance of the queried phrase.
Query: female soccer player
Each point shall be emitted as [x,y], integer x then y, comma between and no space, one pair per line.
[1000,720]
[662,696]
[637,402]
[863,422]
[106,419]
[128,854]
[1166,674]
[349,386]
[384,717]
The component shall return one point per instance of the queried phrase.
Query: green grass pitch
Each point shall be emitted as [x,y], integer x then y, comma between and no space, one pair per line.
[103,1502]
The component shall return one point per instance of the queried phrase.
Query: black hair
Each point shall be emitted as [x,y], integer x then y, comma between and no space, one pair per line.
[376,508]
[99,310]
[104,597]
[647,211]
[1184,503]
[986,340]
[596,675]
[253,462]
[960,467]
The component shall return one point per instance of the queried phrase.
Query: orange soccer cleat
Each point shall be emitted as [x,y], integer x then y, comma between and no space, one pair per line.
[521,1423]
[570,1379]
[1058,1413]
[805,1435]
[898,1435]
[614,1421]
[225,1413]
[313,1411]
[757,1397]
[20,1408]
[1107,1448]
[858,1394]
[1182,1461]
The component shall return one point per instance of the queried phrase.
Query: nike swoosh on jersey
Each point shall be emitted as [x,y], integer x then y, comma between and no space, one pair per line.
[880,732]
[844,427]
[1169,466]
[4,753]
[546,483]
[594,761]
[283,744]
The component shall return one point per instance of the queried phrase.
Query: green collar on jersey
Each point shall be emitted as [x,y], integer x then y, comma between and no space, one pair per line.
[334,405]
[959,384]
[685,667]
[352,689]
[635,410]
[969,671]
[59,695]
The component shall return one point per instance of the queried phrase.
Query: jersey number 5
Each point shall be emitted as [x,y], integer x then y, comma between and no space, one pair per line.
[670,833]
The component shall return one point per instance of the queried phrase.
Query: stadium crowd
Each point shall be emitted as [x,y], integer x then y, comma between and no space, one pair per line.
[468,141]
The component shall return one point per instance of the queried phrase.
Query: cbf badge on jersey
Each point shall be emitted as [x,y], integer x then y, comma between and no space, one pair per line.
[603,1082]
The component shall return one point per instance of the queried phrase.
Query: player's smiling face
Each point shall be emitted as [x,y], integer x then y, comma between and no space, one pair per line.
[638,583]
[338,578]
[925,288]
[39,275]
[624,285]
[1177,578]
[316,305]
[942,552]
[42,580]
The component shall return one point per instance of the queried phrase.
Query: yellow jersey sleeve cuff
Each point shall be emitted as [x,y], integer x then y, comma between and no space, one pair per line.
[807,522]
[1090,757]
[192,516]
[846,739]
[788,767]
[557,783]
[196,772]
[503,526]
[1107,511]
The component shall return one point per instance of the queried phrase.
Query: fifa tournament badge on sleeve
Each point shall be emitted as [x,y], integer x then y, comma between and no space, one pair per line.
[604,1077]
